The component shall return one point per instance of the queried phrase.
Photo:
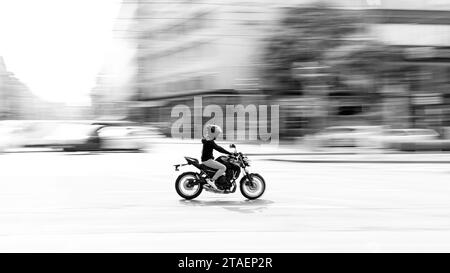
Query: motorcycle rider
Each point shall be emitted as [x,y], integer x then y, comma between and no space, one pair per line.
[212,131]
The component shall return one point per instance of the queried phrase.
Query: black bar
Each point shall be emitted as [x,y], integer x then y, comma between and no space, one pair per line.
[223,262]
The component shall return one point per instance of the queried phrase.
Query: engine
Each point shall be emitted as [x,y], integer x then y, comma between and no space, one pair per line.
[233,171]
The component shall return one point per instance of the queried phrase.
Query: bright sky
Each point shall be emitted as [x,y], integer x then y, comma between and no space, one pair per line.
[57,47]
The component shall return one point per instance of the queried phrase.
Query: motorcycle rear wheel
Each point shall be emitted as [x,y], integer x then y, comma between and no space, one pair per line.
[186,189]
[253,189]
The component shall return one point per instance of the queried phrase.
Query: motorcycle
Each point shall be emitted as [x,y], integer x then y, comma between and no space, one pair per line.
[190,185]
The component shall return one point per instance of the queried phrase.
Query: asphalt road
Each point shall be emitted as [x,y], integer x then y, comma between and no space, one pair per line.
[126,202]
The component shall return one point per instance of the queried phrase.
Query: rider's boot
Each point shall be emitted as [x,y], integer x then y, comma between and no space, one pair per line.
[211,183]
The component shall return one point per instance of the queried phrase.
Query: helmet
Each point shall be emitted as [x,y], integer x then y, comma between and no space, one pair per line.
[212,131]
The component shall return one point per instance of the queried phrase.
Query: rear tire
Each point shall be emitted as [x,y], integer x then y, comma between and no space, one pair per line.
[247,191]
[183,189]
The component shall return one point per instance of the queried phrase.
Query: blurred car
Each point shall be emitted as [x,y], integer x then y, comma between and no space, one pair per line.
[118,137]
[344,136]
[445,132]
[89,137]
[72,137]
[10,134]
[22,133]
[75,135]
[389,138]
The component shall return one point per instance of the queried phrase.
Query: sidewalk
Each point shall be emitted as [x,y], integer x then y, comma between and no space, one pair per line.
[389,158]
[301,154]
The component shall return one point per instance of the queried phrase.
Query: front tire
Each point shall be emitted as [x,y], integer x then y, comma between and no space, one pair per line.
[186,188]
[252,189]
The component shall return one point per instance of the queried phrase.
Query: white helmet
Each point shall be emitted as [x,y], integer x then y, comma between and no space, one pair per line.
[212,131]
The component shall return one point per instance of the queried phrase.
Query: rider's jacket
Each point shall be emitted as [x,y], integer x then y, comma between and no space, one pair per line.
[208,147]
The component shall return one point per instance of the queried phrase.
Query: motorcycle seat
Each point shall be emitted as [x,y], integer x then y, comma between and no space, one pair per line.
[191,160]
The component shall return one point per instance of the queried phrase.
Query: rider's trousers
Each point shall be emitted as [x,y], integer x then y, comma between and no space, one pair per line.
[215,165]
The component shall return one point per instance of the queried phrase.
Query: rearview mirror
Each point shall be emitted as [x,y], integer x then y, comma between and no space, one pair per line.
[232,146]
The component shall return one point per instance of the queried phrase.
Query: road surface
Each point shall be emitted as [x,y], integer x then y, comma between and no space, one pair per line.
[126,202]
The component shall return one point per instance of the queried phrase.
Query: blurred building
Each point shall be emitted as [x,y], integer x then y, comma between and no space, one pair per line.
[115,90]
[215,49]
[421,29]
[190,48]
[415,95]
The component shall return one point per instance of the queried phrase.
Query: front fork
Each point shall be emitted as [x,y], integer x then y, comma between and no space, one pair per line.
[248,181]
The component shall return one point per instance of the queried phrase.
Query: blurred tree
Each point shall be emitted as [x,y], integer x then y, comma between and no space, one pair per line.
[316,50]
[317,45]
[305,35]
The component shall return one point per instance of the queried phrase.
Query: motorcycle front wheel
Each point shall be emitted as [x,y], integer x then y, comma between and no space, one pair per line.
[254,187]
[187,185]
